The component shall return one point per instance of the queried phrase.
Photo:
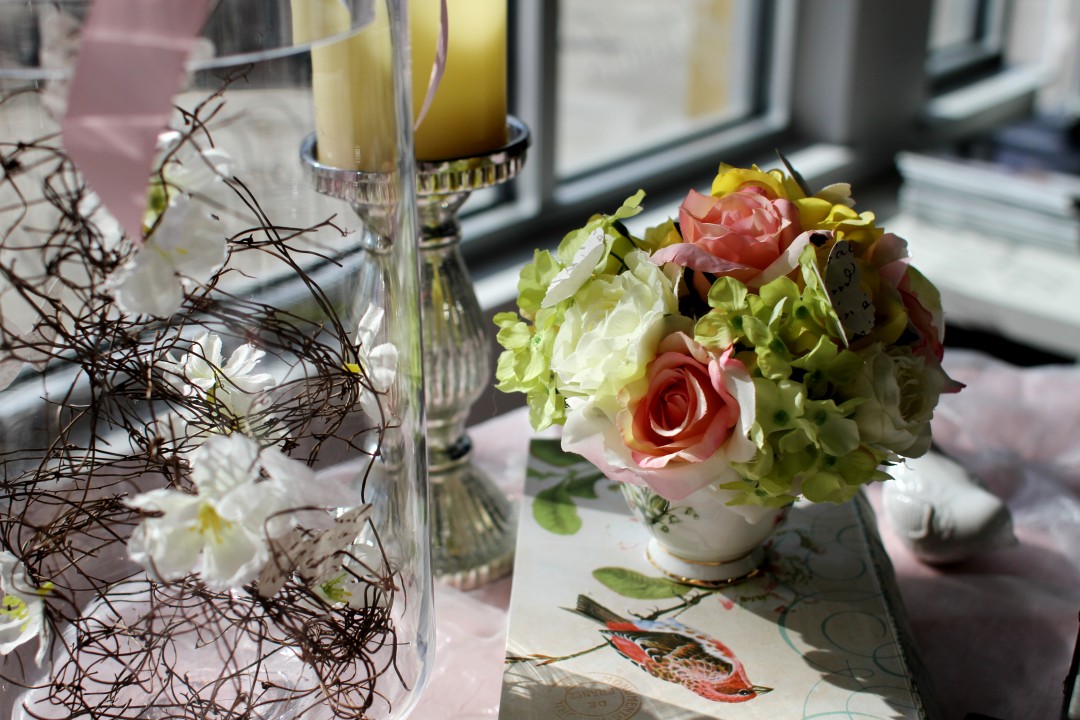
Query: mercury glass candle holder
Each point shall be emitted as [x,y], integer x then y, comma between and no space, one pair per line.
[472,521]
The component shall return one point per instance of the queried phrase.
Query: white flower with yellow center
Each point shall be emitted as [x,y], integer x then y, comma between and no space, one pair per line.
[233,387]
[378,363]
[183,244]
[221,531]
[22,608]
[185,248]
[186,168]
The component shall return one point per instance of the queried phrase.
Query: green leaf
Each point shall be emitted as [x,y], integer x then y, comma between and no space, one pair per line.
[551,452]
[554,510]
[631,584]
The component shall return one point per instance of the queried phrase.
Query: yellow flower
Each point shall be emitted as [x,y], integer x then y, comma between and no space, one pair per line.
[817,213]
[828,210]
[661,236]
[890,315]
[732,179]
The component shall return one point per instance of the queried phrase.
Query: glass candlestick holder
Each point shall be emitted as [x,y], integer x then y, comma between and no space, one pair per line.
[472,521]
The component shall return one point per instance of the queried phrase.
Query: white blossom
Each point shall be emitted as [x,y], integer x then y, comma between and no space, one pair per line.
[189,170]
[243,498]
[378,363]
[183,245]
[94,212]
[221,530]
[233,386]
[22,608]
[184,248]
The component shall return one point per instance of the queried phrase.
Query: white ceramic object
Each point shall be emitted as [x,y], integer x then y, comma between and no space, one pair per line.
[942,512]
[700,540]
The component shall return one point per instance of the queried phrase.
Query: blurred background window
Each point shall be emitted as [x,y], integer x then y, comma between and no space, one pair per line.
[638,75]
[966,39]
[628,94]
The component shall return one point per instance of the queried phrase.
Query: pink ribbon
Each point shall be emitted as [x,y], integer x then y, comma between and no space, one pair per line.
[439,66]
[130,63]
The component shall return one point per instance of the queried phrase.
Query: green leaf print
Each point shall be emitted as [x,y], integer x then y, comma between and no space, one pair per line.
[554,510]
[632,584]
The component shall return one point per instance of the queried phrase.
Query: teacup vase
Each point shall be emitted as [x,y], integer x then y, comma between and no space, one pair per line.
[701,540]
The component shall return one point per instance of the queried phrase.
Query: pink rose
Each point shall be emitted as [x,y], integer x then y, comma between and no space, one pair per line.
[686,413]
[922,321]
[744,234]
[889,256]
[688,421]
[921,300]
[925,319]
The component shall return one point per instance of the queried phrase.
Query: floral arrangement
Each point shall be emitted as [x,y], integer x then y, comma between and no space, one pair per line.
[169,549]
[772,340]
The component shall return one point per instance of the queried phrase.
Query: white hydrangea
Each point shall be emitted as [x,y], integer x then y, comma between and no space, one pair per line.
[610,333]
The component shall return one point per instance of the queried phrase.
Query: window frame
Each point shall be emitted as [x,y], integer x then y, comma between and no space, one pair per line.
[539,203]
[957,65]
[825,67]
[851,86]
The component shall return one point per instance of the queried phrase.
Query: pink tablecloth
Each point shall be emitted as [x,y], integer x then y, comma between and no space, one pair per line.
[996,632]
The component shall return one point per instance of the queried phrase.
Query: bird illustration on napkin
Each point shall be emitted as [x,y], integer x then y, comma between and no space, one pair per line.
[671,651]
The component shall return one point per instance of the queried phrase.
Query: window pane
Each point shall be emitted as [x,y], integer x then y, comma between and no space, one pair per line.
[966,37]
[954,23]
[636,74]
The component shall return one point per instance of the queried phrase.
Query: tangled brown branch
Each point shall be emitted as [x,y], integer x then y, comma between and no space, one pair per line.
[124,643]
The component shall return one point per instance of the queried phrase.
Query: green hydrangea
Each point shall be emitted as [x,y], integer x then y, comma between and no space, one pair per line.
[618,241]
[533,282]
[528,337]
[807,437]
[838,478]
[525,365]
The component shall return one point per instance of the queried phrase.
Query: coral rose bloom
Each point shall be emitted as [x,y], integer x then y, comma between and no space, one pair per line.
[688,412]
[680,427]
[740,234]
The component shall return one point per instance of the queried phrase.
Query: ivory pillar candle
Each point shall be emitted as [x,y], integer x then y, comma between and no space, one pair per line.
[468,113]
[351,84]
